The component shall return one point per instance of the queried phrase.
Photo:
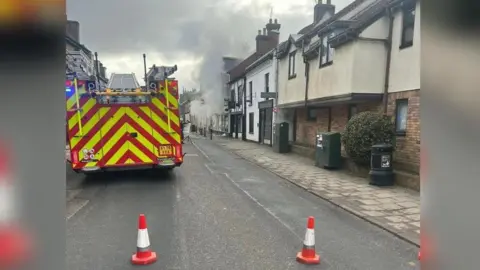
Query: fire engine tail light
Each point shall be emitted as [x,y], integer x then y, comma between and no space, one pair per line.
[178,152]
[74,157]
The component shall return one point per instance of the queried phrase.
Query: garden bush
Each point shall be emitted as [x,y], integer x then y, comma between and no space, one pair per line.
[364,130]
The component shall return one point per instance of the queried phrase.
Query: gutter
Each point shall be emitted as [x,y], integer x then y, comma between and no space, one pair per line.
[388,61]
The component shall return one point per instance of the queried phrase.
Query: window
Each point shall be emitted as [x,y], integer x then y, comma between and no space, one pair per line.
[250,122]
[240,95]
[401,114]
[326,52]
[250,92]
[408,23]
[352,110]
[291,65]
[267,82]
[311,114]
[232,95]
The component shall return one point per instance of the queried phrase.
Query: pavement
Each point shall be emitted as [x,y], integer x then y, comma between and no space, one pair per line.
[394,209]
[218,211]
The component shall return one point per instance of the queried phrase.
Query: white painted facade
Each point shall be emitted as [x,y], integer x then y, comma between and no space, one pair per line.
[359,66]
[291,89]
[405,63]
[257,79]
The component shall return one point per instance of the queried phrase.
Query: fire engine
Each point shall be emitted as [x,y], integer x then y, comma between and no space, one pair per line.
[123,126]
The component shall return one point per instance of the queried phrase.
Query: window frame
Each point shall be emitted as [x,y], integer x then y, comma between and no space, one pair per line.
[267,82]
[406,9]
[329,57]
[350,107]
[309,117]
[292,73]
[240,95]
[250,91]
[398,104]
[251,124]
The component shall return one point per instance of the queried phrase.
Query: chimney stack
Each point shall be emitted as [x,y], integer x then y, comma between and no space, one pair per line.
[269,38]
[321,9]
[73,30]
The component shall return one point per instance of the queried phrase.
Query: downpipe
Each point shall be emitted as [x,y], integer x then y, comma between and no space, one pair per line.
[388,61]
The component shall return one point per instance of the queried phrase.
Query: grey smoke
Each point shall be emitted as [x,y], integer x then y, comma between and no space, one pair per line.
[181,29]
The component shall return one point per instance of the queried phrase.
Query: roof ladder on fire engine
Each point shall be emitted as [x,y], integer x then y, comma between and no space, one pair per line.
[77,99]
[168,105]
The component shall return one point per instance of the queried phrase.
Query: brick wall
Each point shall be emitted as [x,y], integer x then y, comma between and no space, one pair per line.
[307,130]
[407,153]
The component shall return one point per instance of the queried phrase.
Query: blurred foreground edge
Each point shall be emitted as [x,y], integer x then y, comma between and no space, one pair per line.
[29,42]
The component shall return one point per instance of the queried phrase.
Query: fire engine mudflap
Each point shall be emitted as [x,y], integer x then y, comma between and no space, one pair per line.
[123,129]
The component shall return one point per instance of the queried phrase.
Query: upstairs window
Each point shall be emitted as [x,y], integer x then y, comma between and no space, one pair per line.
[291,65]
[250,92]
[326,51]
[267,82]
[232,95]
[408,23]
[240,95]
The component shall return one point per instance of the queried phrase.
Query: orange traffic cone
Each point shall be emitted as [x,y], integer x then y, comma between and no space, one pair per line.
[308,255]
[15,242]
[143,255]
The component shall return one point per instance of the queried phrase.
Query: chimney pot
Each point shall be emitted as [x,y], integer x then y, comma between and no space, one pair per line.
[264,31]
[270,20]
[276,21]
[259,32]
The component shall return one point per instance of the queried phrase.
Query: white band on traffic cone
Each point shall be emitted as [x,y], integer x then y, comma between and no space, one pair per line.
[309,238]
[7,211]
[143,241]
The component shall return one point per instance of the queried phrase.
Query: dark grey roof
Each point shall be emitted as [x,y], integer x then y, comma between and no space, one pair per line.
[259,61]
[365,18]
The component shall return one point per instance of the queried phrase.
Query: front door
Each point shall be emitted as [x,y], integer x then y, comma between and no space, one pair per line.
[261,125]
[267,126]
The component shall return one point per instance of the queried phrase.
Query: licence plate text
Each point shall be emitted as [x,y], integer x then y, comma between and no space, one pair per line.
[165,150]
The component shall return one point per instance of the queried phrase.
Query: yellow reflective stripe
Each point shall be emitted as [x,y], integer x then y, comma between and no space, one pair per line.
[114,159]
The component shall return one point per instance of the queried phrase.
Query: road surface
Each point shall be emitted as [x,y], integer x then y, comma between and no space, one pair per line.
[218,211]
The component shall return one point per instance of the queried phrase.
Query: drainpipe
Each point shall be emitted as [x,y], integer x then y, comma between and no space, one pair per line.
[307,72]
[389,57]
[307,78]
[244,110]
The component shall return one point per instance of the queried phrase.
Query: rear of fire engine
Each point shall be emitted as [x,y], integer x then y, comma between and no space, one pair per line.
[123,126]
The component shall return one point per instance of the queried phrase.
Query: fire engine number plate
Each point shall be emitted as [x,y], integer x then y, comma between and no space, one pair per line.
[165,150]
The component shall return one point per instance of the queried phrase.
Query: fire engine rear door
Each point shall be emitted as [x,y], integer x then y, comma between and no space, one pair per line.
[114,134]
[142,143]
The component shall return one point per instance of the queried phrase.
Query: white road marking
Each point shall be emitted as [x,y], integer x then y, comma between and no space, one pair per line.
[201,151]
[74,208]
[191,155]
[248,194]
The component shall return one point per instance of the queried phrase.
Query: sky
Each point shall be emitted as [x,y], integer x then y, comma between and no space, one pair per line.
[193,34]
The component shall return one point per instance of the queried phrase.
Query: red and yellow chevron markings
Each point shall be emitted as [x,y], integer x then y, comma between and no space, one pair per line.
[107,130]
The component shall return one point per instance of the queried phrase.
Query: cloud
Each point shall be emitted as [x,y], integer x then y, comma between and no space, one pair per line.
[196,33]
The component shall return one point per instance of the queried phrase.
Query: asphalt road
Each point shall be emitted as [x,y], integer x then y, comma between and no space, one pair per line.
[218,211]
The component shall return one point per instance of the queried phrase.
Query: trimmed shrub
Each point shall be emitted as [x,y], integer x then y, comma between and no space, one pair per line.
[364,130]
